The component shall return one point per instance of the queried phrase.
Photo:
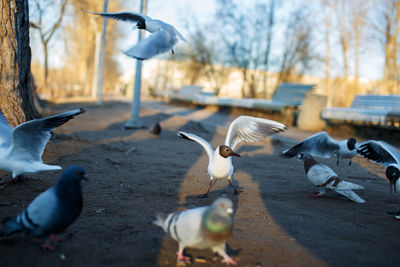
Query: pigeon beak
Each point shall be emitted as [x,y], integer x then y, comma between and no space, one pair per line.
[229,210]
[235,154]
[86,178]
[135,27]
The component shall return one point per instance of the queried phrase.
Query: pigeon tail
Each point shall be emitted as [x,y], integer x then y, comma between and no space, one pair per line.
[350,195]
[10,226]
[160,220]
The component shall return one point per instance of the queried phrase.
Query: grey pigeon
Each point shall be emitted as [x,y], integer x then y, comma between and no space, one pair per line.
[242,129]
[201,228]
[162,39]
[52,211]
[156,129]
[324,146]
[21,148]
[324,177]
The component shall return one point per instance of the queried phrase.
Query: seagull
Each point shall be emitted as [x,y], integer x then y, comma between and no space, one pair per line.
[385,154]
[52,211]
[202,227]
[21,148]
[243,128]
[322,145]
[162,38]
[322,176]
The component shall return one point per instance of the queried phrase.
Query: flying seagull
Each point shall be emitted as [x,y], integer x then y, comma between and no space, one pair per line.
[201,228]
[52,211]
[163,36]
[322,145]
[242,129]
[21,148]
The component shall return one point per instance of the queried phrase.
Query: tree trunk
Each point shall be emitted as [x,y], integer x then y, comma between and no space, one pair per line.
[16,100]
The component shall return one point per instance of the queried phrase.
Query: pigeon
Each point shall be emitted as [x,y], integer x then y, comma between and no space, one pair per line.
[322,176]
[52,211]
[201,228]
[385,154]
[243,128]
[156,129]
[322,145]
[21,148]
[162,39]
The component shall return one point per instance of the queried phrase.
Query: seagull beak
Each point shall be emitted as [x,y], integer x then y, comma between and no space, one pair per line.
[235,154]
[229,210]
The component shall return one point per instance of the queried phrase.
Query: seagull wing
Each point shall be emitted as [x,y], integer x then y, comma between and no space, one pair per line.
[319,144]
[5,132]
[158,42]
[124,16]
[251,129]
[379,151]
[30,138]
[207,147]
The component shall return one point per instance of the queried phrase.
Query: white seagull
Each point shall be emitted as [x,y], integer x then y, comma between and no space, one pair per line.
[243,128]
[386,155]
[322,145]
[162,39]
[21,148]
[322,176]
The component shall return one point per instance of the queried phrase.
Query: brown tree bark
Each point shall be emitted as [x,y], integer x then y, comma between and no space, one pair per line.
[16,100]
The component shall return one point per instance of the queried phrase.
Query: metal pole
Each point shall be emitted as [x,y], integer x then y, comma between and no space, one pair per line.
[135,122]
[95,85]
[102,56]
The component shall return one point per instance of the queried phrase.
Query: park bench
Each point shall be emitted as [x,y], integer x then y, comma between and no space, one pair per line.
[382,110]
[287,95]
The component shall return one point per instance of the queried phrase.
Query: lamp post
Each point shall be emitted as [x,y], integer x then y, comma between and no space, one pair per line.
[134,122]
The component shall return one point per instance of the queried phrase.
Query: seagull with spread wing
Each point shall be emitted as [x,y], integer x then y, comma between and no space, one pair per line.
[324,146]
[21,148]
[163,36]
[242,129]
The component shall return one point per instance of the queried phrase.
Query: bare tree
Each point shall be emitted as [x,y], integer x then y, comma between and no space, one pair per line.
[297,53]
[243,32]
[270,26]
[46,28]
[387,28]
[359,15]
[16,100]
[343,17]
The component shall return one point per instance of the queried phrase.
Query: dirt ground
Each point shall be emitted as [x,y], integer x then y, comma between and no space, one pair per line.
[277,223]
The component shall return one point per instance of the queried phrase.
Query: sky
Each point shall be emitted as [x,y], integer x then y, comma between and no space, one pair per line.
[179,12]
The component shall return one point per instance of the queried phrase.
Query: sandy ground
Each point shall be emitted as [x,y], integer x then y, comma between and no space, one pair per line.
[277,223]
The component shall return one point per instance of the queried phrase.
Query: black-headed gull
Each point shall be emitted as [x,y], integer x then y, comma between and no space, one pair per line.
[242,129]
[162,39]
[322,145]
[21,148]
[386,155]
[201,228]
[322,176]
[52,211]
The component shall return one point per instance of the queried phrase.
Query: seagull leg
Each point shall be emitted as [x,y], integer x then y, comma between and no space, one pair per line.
[208,189]
[337,162]
[237,190]
[172,50]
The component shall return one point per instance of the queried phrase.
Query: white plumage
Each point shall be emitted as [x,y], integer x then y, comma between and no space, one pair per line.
[242,129]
